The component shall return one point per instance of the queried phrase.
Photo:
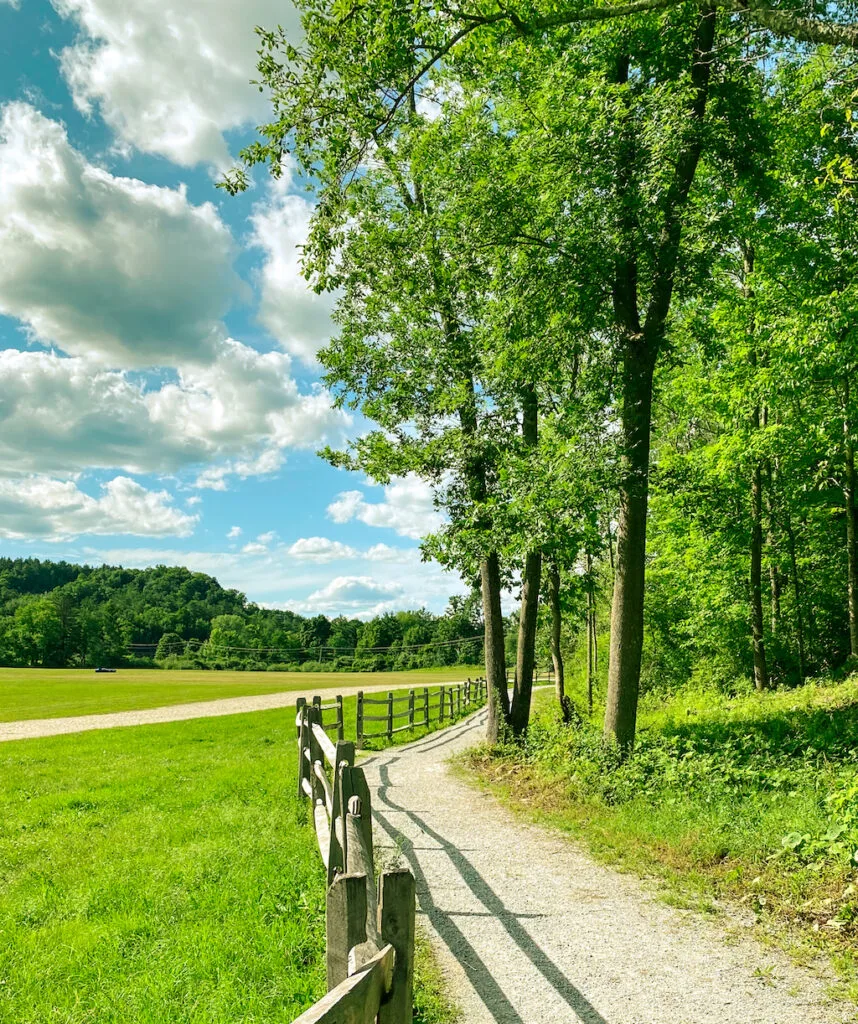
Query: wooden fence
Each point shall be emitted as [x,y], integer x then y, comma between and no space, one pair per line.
[417,708]
[335,706]
[369,929]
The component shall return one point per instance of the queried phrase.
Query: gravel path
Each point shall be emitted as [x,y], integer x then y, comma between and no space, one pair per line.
[36,727]
[529,930]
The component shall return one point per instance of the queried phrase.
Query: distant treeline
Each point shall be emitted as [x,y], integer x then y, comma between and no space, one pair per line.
[57,615]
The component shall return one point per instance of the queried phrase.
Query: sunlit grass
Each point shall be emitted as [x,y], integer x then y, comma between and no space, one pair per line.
[54,693]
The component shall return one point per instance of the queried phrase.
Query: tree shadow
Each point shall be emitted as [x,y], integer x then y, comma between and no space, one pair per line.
[443,921]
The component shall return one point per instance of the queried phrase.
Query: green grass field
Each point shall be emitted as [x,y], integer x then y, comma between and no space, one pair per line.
[54,693]
[165,873]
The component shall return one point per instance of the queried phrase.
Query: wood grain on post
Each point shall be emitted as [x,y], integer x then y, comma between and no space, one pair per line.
[341,729]
[441,706]
[355,1000]
[411,708]
[396,925]
[360,720]
[390,716]
[345,914]
[426,706]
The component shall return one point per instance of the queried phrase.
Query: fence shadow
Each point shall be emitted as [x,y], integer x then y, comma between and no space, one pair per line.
[488,989]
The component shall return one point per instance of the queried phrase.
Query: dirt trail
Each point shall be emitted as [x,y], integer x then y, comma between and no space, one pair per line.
[36,727]
[529,930]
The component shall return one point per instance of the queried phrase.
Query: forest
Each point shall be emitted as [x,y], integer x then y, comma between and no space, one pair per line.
[58,614]
[594,271]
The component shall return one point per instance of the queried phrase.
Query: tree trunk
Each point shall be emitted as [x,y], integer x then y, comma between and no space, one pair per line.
[498,695]
[640,348]
[556,623]
[761,675]
[771,550]
[525,654]
[851,531]
[758,642]
[525,660]
[628,601]
[796,582]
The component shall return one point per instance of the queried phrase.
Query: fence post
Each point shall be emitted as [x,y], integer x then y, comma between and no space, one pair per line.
[411,708]
[341,734]
[452,704]
[305,768]
[314,715]
[442,695]
[467,692]
[345,920]
[360,720]
[360,862]
[389,716]
[300,704]
[396,924]
[459,699]
[426,706]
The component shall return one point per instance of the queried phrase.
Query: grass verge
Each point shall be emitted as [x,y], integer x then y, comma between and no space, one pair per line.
[750,802]
[27,693]
[163,873]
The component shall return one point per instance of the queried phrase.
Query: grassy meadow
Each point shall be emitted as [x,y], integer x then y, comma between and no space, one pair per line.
[27,693]
[165,873]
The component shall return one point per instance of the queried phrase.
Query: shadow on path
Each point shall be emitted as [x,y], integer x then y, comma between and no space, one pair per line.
[488,989]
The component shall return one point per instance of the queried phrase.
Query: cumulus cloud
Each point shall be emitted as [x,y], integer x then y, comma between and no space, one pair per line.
[274,578]
[101,266]
[42,507]
[295,315]
[349,595]
[168,78]
[234,531]
[254,548]
[320,549]
[61,415]
[408,508]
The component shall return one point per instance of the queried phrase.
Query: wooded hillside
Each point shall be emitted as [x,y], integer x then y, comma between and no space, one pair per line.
[56,614]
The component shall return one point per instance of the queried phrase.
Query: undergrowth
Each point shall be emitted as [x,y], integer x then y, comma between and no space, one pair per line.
[752,800]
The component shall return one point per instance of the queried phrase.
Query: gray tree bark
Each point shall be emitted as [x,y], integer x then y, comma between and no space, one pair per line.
[641,343]
[525,655]
[851,527]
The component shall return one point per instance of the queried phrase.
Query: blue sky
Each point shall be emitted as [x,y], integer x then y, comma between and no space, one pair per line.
[159,393]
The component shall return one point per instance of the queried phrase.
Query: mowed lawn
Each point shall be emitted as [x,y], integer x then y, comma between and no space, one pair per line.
[165,873]
[158,873]
[27,693]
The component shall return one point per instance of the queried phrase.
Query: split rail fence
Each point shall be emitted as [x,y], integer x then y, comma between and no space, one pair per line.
[416,708]
[369,928]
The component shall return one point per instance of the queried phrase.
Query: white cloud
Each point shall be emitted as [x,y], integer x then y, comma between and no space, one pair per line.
[385,553]
[171,78]
[295,315]
[39,506]
[320,550]
[276,579]
[266,538]
[408,508]
[194,499]
[254,548]
[234,531]
[101,266]
[62,415]
[352,595]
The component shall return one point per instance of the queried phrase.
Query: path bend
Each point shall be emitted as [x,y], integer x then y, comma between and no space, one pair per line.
[529,930]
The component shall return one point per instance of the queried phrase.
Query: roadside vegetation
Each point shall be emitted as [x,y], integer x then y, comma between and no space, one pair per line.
[54,693]
[748,801]
[164,873]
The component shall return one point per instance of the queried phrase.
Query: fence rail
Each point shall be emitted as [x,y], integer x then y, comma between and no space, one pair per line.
[369,929]
[423,707]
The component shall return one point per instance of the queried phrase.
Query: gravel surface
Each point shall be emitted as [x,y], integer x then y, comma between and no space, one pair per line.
[36,727]
[529,930]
